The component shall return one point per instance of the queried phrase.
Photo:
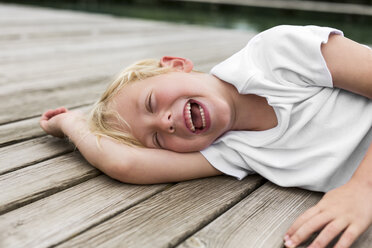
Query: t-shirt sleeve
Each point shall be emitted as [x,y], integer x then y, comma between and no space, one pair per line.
[292,54]
[227,160]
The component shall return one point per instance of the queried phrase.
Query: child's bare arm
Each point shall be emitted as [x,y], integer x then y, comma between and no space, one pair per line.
[124,163]
[347,209]
[350,65]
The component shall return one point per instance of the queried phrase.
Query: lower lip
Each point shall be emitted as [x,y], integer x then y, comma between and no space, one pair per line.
[206,116]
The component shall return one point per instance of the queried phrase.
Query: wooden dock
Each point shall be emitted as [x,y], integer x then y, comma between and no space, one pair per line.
[51,197]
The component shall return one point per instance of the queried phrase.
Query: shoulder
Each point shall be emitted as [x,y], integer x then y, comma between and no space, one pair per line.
[295,36]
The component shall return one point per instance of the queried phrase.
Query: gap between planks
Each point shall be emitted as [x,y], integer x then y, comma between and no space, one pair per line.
[170,216]
[71,212]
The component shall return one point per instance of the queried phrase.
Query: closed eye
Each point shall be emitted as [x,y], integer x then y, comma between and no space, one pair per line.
[156,142]
[148,103]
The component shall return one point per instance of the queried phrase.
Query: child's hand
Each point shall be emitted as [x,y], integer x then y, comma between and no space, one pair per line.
[50,121]
[347,208]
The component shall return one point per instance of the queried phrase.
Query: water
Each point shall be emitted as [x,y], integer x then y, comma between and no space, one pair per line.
[355,27]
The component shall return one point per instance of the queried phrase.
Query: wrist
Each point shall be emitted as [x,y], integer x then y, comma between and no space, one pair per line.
[70,122]
[362,182]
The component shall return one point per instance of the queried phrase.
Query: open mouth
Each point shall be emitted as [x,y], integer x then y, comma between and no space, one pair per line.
[196,117]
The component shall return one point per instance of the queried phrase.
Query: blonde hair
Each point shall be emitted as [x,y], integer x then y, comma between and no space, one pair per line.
[103,120]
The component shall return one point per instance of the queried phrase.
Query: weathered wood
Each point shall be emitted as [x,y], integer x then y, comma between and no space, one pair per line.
[68,213]
[50,58]
[261,220]
[18,15]
[167,218]
[32,183]
[90,45]
[64,32]
[32,151]
[34,103]
[365,240]
[102,62]
[20,130]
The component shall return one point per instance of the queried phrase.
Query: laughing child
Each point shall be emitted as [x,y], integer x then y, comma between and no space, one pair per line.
[294,105]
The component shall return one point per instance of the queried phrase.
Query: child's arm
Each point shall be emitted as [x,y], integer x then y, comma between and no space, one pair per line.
[350,65]
[349,207]
[124,163]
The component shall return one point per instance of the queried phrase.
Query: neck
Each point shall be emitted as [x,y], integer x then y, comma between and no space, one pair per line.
[250,112]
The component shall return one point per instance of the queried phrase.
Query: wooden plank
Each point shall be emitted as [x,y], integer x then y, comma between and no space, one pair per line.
[61,216]
[65,31]
[32,15]
[261,220]
[69,70]
[32,183]
[115,44]
[32,151]
[365,240]
[95,42]
[34,103]
[20,130]
[167,218]
[68,64]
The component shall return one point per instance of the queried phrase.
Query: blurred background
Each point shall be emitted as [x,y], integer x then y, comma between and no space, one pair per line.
[353,17]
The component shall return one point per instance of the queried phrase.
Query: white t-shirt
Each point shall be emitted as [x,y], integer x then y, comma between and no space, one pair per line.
[323,132]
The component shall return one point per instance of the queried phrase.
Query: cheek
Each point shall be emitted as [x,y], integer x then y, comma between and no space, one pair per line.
[165,97]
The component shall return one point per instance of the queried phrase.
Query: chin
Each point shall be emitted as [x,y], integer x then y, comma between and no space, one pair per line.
[197,148]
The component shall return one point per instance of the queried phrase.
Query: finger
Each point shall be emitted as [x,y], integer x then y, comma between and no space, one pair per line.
[53,112]
[329,233]
[348,237]
[49,114]
[44,117]
[301,220]
[309,227]
[61,110]
[43,124]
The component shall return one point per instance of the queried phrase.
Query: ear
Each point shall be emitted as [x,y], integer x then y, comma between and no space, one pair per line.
[180,64]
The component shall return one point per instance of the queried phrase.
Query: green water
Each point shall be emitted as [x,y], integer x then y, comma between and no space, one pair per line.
[355,27]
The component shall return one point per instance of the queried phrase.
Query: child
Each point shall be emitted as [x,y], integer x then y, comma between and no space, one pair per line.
[293,105]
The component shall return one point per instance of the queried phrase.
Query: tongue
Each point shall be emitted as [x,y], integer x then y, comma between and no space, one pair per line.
[195,115]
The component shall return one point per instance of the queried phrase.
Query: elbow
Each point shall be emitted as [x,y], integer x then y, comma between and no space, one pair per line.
[119,170]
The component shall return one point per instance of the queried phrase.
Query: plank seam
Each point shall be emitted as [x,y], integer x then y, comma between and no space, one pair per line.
[15,141]
[38,161]
[203,224]
[12,206]
[114,214]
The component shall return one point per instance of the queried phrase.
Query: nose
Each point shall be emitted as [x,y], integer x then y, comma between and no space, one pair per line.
[166,123]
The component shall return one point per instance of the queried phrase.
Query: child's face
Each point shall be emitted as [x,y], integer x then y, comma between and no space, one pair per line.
[157,110]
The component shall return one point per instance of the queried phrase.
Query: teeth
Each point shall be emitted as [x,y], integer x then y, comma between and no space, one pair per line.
[188,106]
[192,127]
[202,115]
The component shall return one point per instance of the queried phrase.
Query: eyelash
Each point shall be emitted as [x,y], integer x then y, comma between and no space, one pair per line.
[149,103]
[155,136]
[156,140]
